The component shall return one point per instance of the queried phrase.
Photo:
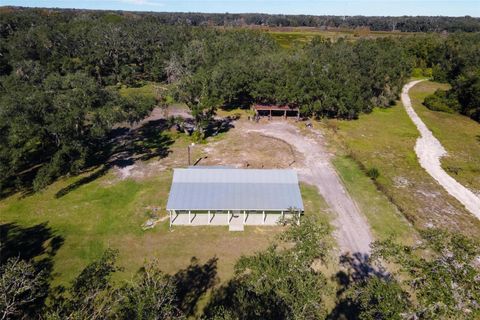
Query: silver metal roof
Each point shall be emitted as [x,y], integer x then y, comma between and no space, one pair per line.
[234,189]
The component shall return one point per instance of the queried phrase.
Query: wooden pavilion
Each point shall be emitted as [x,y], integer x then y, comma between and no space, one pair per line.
[272,110]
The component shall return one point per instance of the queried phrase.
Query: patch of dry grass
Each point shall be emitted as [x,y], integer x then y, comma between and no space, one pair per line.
[385,140]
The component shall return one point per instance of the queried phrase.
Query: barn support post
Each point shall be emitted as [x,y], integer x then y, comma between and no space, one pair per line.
[189,217]
[209,217]
[244,217]
[263,221]
[228,216]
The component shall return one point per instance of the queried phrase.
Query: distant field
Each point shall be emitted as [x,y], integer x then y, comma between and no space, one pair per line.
[297,37]
[459,135]
[385,140]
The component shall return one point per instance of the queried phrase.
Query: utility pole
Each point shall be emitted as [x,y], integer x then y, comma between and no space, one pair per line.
[188,149]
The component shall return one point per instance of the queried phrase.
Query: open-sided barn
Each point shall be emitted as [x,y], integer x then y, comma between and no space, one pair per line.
[225,196]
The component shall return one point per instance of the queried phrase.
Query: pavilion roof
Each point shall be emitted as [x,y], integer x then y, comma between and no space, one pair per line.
[234,189]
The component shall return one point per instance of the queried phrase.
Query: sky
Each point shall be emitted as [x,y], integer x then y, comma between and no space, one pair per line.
[319,7]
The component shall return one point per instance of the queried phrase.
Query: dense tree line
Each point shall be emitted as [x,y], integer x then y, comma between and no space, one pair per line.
[459,65]
[333,79]
[386,23]
[59,69]
[454,59]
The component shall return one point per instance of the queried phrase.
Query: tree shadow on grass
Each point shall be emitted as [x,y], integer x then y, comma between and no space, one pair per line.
[215,127]
[120,147]
[37,244]
[193,282]
[357,267]
[123,148]
[220,125]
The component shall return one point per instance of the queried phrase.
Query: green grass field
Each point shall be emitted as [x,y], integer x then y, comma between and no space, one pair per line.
[384,218]
[147,90]
[385,140]
[459,135]
[109,212]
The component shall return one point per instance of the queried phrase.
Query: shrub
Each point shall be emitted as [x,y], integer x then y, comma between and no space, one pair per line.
[422,72]
[442,101]
[373,173]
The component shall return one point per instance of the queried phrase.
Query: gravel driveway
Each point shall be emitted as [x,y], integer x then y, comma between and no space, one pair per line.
[429,151]
[352,230]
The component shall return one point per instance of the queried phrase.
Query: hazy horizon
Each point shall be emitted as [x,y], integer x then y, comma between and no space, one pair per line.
[301,7]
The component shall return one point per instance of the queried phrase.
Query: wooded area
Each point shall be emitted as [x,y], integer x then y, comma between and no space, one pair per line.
[374,23]
[59,72]
[436,278]
[60,108]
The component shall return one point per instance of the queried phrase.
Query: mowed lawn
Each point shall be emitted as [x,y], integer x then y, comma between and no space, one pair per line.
[108,213]
[459,135]
[385,140]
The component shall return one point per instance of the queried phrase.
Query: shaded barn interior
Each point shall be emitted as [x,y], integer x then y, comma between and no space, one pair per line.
[275,111]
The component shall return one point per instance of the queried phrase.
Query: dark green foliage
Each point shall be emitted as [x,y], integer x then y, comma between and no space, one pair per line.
[440,101]
[458,63]
[467,88]
[58,68]
[91,294]
[278,283]
[324,79]
[443,274]
[21,286]
[373,173]
[377,23]
[380,298]
[58,123]
[151,295]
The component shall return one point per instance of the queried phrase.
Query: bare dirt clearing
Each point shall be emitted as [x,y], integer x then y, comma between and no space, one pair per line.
[429,151]
[244,149]
[275,144]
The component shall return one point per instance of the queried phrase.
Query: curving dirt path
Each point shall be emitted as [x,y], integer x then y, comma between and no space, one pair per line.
[352,230]
[429,151]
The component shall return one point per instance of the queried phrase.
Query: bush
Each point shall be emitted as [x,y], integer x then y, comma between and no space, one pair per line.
[373,173]
[442,101]
[422,72]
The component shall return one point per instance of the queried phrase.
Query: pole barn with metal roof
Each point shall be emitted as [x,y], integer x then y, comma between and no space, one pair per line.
[234,197]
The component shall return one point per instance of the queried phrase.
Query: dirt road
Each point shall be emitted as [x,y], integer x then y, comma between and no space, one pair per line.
[352,230]
[429,151]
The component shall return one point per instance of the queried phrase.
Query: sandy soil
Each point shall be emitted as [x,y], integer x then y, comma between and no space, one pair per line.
[314,167]
[429,152]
